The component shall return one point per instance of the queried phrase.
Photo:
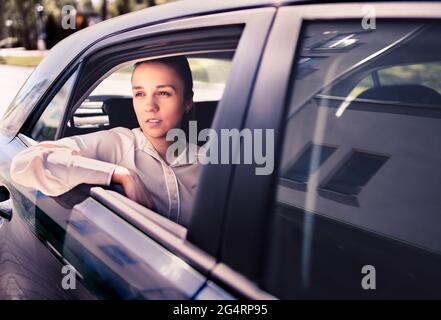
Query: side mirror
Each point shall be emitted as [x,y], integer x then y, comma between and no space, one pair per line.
[5,204]
[6,209]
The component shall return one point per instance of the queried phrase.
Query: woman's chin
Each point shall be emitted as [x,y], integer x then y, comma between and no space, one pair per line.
[154,133]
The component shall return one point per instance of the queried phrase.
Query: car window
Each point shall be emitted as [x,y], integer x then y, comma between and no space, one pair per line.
[209,76]
[359,179]
[425,74]
[110,104]
[48,123]
[209,71]
[421,74]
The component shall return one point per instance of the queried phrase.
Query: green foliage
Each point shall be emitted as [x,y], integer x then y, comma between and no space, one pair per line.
[22,13]
[24,61]
[119,7]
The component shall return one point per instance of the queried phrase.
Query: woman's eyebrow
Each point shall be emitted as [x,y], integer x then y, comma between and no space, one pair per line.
[158,87]
[166,85]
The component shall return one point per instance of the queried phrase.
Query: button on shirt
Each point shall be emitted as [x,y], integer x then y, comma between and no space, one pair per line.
[92,158]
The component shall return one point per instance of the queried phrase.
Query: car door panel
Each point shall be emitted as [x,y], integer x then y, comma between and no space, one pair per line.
[304,253]
[77,230]
[29,270]
[109,252]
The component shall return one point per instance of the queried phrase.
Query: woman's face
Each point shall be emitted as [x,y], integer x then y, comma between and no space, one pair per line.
[158,99]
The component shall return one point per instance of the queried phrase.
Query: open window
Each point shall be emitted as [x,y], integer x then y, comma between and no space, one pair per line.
[109,104]
[102,100]
[98,96]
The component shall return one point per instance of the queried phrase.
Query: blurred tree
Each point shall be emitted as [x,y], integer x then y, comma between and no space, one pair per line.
[22,13]
[118,7]
[23,16]
[2,20]
[104,10]
[151,3]
[123,6]
[86,5]
[53,7]
[55,32]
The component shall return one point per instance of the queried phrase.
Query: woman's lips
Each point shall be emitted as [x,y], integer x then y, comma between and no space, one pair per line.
[153,122]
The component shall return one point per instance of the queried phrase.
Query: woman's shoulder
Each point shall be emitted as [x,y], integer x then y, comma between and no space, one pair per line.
[124,131]
[112,139]
[115,143]
[124,135]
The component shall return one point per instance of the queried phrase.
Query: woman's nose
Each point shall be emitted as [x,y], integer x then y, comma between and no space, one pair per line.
[150,104]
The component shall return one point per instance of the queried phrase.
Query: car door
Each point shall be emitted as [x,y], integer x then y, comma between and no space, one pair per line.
[350,210]
[31,264]
[117,248]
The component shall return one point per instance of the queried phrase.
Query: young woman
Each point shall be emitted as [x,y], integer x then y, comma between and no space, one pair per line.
[136,159]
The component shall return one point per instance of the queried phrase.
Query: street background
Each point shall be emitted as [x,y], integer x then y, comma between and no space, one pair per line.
[30,28]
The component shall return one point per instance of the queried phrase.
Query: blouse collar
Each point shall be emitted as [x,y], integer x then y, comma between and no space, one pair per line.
[181,159]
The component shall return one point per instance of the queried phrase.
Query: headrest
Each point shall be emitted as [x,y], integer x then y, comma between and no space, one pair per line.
[121,113]
[407,93]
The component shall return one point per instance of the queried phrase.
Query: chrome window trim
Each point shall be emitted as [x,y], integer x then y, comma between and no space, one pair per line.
[156,229]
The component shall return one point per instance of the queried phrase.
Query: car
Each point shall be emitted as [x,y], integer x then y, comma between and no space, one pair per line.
[351,93]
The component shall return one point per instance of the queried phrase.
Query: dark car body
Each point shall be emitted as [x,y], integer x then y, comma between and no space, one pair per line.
[121,250]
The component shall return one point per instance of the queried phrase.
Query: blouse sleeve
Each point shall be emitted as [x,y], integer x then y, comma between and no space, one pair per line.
[55,167]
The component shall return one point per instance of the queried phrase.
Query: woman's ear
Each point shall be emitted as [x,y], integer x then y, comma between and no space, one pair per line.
[189,104]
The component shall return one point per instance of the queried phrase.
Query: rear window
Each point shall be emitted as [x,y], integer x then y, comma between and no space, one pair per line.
[359,181]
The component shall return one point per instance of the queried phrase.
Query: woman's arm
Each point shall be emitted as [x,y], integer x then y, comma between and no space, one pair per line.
[56,167]
[133,186]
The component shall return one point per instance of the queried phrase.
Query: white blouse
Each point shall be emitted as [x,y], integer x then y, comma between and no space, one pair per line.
[92,158]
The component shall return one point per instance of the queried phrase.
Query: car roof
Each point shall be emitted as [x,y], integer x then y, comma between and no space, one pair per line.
[80,41]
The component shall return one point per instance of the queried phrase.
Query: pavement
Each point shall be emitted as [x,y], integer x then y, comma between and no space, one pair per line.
[11,80]
[21,52]
[13,77]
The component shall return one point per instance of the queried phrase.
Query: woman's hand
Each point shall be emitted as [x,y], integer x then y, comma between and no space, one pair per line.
[133,186]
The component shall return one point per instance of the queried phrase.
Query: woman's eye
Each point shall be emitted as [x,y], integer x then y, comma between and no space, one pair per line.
[164,93]
[139,94]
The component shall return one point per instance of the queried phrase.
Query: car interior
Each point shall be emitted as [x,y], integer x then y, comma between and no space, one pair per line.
[387,85]
[106,111]
[120,113]
[109,108]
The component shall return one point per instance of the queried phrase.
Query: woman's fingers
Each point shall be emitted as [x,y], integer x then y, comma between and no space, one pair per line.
[136,190]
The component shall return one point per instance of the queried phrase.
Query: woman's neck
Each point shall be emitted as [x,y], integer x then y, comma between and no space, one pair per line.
[161,145]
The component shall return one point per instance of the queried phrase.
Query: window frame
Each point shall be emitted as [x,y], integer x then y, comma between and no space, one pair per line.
[73,78]
[251,219]
[73,71]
